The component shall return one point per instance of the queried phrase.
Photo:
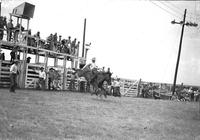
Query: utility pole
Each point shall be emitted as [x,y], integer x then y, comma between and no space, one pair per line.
[180,45]
[83,49]
[0,7]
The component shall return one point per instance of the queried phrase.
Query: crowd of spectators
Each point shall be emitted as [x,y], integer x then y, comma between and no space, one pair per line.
[11,30]
[53,42]
[187,93]
[182,93]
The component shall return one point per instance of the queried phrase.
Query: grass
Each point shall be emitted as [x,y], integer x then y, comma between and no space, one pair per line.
[43,115]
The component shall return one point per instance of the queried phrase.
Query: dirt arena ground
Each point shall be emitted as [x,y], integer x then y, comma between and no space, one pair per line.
[38,115]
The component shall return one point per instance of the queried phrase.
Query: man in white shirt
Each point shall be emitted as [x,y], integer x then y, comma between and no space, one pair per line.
[13,76]
[92,69]
[116,91]
[42,78]
[91,65]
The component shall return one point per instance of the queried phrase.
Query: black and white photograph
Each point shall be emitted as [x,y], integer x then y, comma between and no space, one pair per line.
[99,70]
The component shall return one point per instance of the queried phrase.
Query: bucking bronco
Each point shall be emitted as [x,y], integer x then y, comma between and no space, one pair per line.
[97,80]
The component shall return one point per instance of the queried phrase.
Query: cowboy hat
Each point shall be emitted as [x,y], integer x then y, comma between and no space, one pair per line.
[16,61]
[94,58]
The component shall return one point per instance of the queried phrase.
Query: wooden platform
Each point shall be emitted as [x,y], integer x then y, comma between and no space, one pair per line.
[40,51]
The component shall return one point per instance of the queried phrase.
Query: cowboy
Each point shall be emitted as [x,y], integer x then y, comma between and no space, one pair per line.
[92,65]
[92,68]
[51,74]
[13,75]
[72,81]
[116,91]
[42,78]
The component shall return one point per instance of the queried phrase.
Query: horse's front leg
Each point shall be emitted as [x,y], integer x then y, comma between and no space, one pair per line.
[92,90]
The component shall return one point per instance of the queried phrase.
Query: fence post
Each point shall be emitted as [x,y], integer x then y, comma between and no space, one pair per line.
[138,88]
[0,69]
[64,73]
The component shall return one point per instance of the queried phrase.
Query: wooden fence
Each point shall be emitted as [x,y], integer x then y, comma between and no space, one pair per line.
[5,73]
[78,85]
[130,88]
[32,75]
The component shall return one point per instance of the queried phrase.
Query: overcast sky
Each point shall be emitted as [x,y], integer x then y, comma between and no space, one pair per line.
[134,38]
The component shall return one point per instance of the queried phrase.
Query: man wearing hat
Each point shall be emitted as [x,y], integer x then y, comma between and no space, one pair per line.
[28,60]
[92,65]
[51,76]
[42,78]
[91,68]
[13,75]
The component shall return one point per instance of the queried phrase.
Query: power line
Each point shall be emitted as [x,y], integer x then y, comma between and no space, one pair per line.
[190,14]
[165,9]
[171,8]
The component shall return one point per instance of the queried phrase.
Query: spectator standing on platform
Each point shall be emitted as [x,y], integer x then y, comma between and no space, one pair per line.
[55,41]
[9,30]
[73,45]
[50,41]
[59,45]
[17,30]
[13,75]
[69,41]
[103,69]
[37,38]
[77,49]
[60,39]
[3,24]
[29,40]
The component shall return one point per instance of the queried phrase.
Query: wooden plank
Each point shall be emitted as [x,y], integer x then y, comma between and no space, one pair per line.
[40,49]
[36,75]
[2,82]
[31,79]
[4,76]
[0,64]
[4,72]
[6,62]
[5,68]
[30,83]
